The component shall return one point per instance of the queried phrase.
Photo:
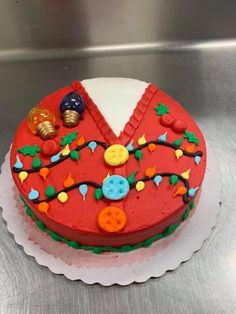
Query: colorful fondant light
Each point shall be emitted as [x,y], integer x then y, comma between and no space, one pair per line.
[80,141]
[197,160]
[92,145]
[42,121]
[140,185]
[181,190]
[115,187]
[185,174]
[66,150]
[162,137]
[69,181]
[83,189]
[23,176]
[33,194]
[18,164]
[130,146]
[142,140]
[178,153]
[192,192]
[157,179]
[44,172]
[62,197]
[152,147]
[72,108]
[56,157]
[116,155]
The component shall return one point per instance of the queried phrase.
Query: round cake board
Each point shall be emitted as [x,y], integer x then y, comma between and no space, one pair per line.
[113,268]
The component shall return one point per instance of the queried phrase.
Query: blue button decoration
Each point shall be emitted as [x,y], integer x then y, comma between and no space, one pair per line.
[115,187]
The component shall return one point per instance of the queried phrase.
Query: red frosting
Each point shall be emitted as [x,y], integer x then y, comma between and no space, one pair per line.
[148,212]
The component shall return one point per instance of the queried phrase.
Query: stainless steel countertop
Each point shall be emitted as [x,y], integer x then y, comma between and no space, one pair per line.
[204,82]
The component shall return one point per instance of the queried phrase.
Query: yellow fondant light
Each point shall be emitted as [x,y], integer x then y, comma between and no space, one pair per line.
[116,155]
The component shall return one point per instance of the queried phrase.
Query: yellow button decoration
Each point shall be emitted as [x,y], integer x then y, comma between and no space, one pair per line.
[178,153]
[116,155]
[142,140]
[140,185]
[22,176]
[65,151]
[62,197]
[185,174]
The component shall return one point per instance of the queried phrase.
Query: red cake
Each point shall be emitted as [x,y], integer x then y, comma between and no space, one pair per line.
[108,164]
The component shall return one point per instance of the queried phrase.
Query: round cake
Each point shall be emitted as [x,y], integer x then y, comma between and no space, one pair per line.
[108,164]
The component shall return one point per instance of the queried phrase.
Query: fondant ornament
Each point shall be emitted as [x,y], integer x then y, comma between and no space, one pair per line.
[185,174]
[192,192]
[62,197]
[92,145]
[116,155]
[142,140]
[178,153]
[18,164]
[179,126]
[23,175]
[83,188]
[50,148]
[157,180]
[42,121]
[167,120]
[162,137]
[140,185]
[33,194]
[197,160]
[56,157]
[111,219]
[72,108]
[44,172]
[66,150]
[115,187]
[130,146]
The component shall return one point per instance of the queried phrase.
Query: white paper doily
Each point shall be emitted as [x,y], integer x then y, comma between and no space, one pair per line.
[113,268]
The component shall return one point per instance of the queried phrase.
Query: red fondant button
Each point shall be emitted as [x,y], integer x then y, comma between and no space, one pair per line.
[50,148]
[167,120]
[179,126]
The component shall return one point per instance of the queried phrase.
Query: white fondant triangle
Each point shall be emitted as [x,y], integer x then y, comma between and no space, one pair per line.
[116,98]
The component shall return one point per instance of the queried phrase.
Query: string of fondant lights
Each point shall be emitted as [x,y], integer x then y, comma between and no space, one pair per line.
[184,191]
[67,153]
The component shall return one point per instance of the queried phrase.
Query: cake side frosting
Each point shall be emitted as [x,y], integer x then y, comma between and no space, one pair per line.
[165,162]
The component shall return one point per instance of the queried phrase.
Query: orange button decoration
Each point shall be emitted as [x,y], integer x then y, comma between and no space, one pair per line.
[152,147]
[111,219]
[150,172]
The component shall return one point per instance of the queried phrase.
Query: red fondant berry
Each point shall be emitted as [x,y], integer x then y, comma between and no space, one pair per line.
[179,126]
[50,148]
[167,120]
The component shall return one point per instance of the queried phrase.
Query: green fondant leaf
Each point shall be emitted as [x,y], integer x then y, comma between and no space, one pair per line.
[74,155]
[50,191]
[178,142]
[138,154]
[191,137]
[36,162]
[174,179]
[161,109]
[69,138]
[29,150]
[131,177]
[98,194]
